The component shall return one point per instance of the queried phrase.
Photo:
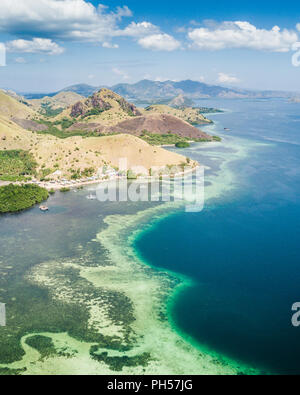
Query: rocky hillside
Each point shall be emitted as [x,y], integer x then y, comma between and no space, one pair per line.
[105,107]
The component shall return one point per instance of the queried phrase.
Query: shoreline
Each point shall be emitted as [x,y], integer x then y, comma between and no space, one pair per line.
[57,186]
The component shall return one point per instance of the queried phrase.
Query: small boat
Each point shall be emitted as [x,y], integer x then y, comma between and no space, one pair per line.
[44,208]
[91,197]
[227,130]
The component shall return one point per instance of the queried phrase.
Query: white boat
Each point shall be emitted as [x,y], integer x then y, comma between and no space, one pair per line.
[91,197]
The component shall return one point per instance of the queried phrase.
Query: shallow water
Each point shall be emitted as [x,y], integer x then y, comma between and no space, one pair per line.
[243,250]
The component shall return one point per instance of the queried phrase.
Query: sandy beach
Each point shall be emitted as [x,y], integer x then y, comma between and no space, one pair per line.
[57,185]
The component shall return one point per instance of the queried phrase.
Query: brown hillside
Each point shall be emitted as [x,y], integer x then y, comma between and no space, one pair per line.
[160,124]
[10,107]
[77,153]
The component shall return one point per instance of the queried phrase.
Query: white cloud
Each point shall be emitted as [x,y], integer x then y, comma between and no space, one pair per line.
[120,73]
[75,20]
[107,44]
[159,42]
[121,11]
[79,21]
[298,27]
[37,45]
[242,35]
[164,79]
[181,29]
[161,79]
[140,29]
[227,79]
[20,60]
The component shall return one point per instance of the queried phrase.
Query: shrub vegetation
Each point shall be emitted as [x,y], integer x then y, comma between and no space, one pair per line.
[16,165]
[182,144]
[15,198]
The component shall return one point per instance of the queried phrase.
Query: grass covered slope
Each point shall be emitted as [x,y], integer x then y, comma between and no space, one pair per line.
[51,106]
[77,153]
[15,198]
[15,165]
[10,107]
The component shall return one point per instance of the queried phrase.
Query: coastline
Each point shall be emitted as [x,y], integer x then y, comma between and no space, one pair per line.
[57,186]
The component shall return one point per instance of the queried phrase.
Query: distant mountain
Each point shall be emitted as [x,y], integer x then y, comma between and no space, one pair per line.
[295,100]
[145,90]
[181,101]
[82,89]
[150,91]
[37,96]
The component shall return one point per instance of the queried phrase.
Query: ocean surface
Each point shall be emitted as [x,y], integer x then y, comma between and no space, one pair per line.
[243,249]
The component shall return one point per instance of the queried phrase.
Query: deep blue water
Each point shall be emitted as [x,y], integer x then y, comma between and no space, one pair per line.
[243,250]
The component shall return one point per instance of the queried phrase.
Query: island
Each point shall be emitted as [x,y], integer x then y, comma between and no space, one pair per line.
[69,141]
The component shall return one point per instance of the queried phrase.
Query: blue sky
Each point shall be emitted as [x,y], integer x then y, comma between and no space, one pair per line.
[55,43]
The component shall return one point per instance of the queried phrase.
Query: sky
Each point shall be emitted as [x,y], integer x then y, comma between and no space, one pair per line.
[52,44]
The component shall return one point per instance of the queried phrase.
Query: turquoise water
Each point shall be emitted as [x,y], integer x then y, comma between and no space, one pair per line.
[243,249]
